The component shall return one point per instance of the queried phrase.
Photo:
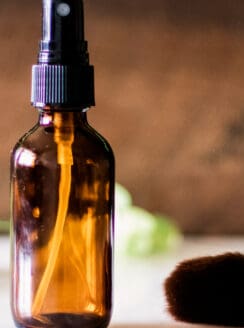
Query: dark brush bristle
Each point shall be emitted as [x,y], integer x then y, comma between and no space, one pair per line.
[208,290]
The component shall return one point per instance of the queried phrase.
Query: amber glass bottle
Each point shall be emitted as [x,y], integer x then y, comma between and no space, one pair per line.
[62,182]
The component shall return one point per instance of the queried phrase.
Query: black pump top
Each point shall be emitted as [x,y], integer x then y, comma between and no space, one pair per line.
[62,32]
[63,77]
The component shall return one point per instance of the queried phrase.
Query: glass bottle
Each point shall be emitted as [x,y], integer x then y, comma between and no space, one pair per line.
[62,193]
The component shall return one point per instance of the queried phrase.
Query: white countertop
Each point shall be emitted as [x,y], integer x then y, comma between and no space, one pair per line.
[138,295]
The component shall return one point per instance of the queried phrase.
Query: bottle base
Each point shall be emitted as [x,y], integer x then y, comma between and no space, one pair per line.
[65,320]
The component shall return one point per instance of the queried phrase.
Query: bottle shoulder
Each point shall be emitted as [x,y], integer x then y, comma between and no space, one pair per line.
[98,139]
[23,140]
[87,142]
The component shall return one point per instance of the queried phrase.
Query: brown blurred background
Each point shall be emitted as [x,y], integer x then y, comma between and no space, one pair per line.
[170,99]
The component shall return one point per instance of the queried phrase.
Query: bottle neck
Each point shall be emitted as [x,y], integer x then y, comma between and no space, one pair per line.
[62,118]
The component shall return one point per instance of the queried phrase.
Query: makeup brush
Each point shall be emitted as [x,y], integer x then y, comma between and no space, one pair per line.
[208,290]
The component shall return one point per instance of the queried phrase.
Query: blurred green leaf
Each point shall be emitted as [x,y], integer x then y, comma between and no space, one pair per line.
[140,233]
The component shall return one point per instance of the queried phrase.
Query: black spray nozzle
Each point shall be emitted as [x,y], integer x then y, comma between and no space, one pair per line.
[63,21]
[63,39]
[63,76]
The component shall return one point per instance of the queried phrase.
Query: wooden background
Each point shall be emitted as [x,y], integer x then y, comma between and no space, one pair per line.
[169,91]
